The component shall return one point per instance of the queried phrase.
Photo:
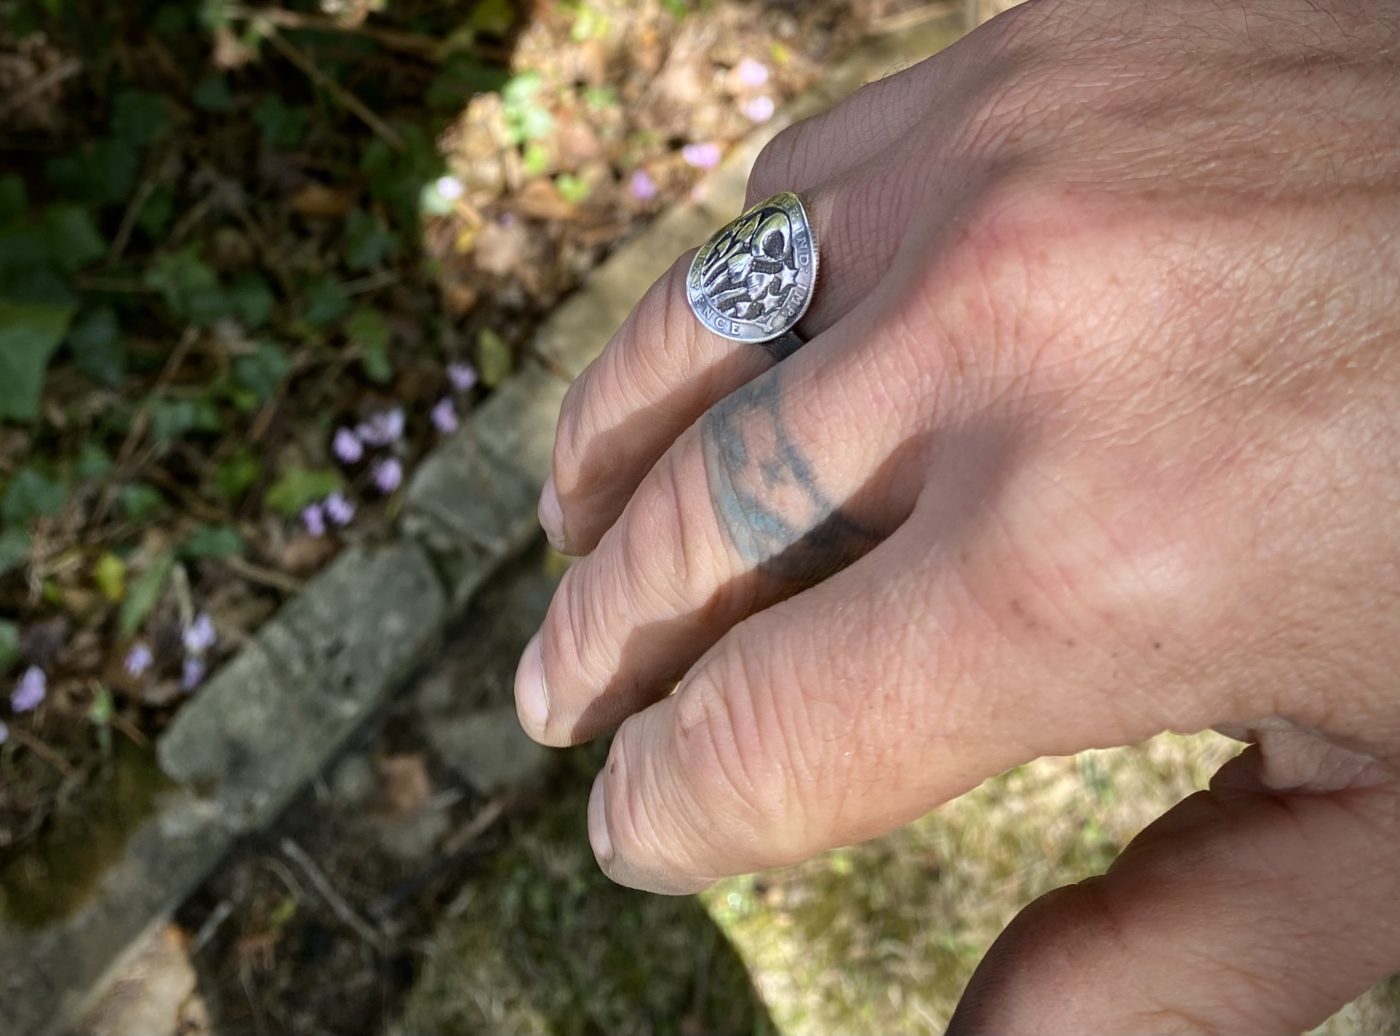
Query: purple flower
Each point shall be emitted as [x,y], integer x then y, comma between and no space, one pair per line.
[705,155]
[193,674]
[382,429]
[759,109]
[445,416]
[347,446]
[462,375]
[313,516]
[388,475]
[4,732]
[339,510]
[138,660]
[33,688]
[642,186]
[200,635]
[752,73]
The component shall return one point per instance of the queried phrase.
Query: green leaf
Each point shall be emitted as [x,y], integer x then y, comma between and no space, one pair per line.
[282,127]
[525,118]
[213,541]
[173,418]
[573,189]
[102,709]
[190,288]
[30,495]
[298,487]
[101,173]
[494,357]
[368,330]
[29,334]
[156,213]
[140,118]
[139,501]
[262,372]
[14,545]
[73,238]
[367,242]
[251,299]
[171,20]
[110,576]
[93,461]
[9,644]
[13,198]
[460,77]
[493,17]
[213,95]
[145,593]
[235,476]
[326,302]
[97,347]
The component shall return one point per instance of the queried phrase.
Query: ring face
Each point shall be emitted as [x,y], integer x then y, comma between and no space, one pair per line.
[753,280]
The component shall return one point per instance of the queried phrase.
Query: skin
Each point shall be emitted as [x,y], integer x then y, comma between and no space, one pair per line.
[1094,436]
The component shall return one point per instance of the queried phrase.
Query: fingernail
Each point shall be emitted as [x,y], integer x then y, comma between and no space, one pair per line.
[551,514]
[531,698]
[598,835]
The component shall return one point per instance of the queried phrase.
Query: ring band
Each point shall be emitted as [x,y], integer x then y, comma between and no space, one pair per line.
[753,280]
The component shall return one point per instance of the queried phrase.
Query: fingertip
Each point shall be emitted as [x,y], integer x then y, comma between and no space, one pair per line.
[598,835]
[531,695]
[551,515]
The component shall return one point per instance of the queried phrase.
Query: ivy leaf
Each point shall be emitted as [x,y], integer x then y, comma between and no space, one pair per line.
[251,299]
[282,127]
[367,329]
[213,541]
[93,461]
[139,501]
[156,213]
[9,644]
[190,288]
[13,198]
[30,495]
[213,95]
[145,593]
[101,173]
[14,545]
[367,242]
[73,238]
[298,487]
[235,476]
[29,334]
[140,118]
[262,372]
[97,348]
[326,302]
[174,418]
[494,358]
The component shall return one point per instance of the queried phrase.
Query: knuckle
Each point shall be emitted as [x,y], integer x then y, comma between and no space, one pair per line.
[780,158]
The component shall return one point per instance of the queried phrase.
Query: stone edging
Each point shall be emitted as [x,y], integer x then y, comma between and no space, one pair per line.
[272,719]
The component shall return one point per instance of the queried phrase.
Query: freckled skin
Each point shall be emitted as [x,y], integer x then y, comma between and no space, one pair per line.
[1095,434]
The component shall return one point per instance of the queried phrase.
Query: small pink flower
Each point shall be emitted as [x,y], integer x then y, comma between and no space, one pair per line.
[759,109]
[382,429]
[32,689]
[192,675]
[752,73]
[388,475]
[444,416]
[463,376]
[703,155]
[200,635]
[138,661]
[313,516]
[338,509]
[347,447]
[642,186]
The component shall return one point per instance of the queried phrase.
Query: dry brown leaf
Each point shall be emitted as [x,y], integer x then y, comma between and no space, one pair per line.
[404,783]
[503,247]
[317,201]
[540,199]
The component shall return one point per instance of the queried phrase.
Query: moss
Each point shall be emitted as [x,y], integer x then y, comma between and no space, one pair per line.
[57,873]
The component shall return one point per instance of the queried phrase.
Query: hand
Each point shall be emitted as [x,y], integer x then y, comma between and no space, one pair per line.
[1095,436]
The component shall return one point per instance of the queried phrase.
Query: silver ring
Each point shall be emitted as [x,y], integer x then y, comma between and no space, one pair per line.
[753,280]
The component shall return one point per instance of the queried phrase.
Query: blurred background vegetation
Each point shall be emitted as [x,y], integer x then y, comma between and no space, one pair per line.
[256,261]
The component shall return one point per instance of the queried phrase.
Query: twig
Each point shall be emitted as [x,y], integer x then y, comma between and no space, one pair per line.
[322,884]
[44,752]
[395,39]
[264,576]
[476,827]
[129,218]
[211,926]
[903,21]
[347,100]
[65,70]
[373,282]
